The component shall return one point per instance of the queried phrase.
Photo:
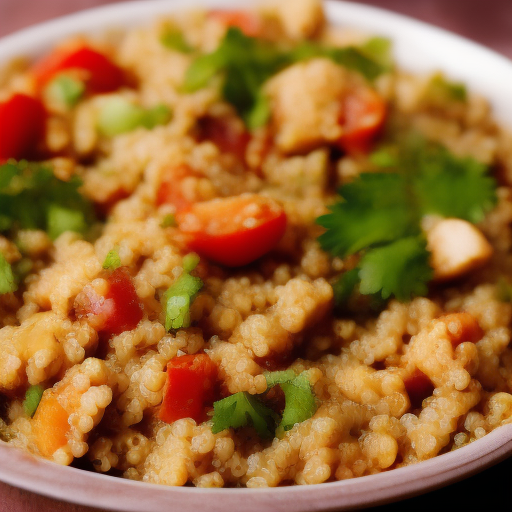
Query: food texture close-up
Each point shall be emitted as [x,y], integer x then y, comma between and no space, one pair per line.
[244,248]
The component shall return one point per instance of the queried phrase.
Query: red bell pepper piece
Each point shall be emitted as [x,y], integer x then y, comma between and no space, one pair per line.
[190,388]
[99,73]
[22,127]
[233,231]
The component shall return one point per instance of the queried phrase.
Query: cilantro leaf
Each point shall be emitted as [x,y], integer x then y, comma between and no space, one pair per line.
[366,216]
[7,281]
[400,269]
[112,259]
[240,410]
[247,63]
[300,403]
[31,197]
[344,287]
[32,398]
[177,299]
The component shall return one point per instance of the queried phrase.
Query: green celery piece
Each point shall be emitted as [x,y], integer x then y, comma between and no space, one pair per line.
[119,116]
[190,261]
[400,269]
[274,378]
[61,219]
[441,88]
[32,398]
[66,90]
[174,39]
[177,299]
[354,59]
[7,281]
[168,221]
[379,50]
[112,259]
[240,410]
[367,216]
[156,116]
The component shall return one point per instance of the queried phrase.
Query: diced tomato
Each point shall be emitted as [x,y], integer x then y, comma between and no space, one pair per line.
[418,387]
[462,327]
[362,116]
[225,134]
[248,22]
[118,310]
[170,190]
[233,231]
[190,388]
[22,126]
[99,73]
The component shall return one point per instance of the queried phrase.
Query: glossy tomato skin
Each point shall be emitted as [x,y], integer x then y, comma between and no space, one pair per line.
[170,190]
[249,23]
[118,310]
[362,118]
[22,126]
[190,388]
[101,75]
[233,231]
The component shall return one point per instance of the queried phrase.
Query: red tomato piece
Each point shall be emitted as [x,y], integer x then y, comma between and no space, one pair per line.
[233,231]
[118,310]
[362,118]
[22,126]
[248,22]
[170,190]
[99,72]
[189,389]
[418,387]
[462,327]
[225,134]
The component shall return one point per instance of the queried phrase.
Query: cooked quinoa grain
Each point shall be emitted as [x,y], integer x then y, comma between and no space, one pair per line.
[197,301]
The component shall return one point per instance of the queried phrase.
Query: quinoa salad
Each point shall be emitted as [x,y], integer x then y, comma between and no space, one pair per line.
[240,248]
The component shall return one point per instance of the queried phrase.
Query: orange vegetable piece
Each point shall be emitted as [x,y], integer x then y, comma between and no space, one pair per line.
[362,117]
[50,425]
[248,22]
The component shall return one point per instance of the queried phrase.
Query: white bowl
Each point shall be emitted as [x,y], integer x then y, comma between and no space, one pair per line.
[419,48]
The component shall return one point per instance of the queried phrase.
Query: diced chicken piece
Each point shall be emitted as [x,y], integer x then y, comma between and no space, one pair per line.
[457,247]
[299,18]
[306,104]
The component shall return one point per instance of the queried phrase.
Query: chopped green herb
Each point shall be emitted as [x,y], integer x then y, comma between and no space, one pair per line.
[440,89]
[379,215]
[379,50]
[31,197]
[190,261]
[119,116]
[173,39]
[7,281]
[300,403]
[240,410]
[248,62]
[32,399]
[66,90]
[177,299]
[504,290]
[112,260]
[168,221]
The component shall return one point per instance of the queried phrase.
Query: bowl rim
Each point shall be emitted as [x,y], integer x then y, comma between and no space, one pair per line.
[452,54]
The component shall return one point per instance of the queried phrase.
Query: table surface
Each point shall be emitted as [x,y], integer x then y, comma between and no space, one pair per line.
[487,22]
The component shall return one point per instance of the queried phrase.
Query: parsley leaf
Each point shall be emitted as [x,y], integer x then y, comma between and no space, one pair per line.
[400,269]
[177,299]
[112,259]
[379,216]
[248,62]
[300,402]
[366,216]
[31,197]
[240,410]
[7,281]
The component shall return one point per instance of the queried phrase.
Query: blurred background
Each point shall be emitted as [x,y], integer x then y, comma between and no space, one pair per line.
[488,22]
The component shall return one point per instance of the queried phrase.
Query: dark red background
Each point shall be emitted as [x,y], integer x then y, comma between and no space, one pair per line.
[488,22]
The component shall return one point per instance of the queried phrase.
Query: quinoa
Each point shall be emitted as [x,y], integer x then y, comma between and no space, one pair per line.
[105,385]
